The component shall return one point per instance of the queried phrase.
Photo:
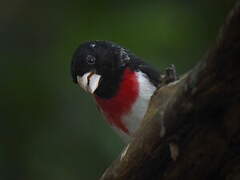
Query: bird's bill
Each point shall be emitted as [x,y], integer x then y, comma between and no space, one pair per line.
[89,81]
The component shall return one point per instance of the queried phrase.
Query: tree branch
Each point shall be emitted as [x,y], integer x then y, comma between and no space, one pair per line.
[192,128]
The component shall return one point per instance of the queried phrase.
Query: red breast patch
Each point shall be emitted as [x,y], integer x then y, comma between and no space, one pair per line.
[122,102]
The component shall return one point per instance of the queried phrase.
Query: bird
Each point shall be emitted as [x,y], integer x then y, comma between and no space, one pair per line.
[121,83]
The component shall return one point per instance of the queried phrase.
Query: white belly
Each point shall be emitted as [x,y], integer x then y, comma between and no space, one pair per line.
[133,119]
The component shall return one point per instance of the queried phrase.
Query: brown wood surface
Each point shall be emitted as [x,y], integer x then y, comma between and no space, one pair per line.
[192,128]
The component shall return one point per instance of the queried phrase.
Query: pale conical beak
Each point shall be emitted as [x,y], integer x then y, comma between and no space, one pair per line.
[89,81]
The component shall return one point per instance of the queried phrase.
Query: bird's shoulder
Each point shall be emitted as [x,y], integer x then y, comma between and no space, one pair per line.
[152,73]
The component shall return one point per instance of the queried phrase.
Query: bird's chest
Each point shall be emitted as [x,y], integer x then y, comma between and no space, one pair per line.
[127,108]
[121,104]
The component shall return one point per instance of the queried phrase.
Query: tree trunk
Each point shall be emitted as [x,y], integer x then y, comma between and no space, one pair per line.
[192,128]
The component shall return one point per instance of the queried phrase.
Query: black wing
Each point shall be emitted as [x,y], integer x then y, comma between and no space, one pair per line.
[153,74]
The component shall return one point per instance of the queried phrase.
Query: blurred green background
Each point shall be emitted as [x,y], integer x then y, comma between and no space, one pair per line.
[50,128]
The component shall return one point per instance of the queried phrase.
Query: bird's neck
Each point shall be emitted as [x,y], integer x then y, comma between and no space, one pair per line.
[121,104]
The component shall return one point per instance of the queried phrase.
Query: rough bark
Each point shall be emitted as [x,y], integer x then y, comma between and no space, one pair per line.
[192,128]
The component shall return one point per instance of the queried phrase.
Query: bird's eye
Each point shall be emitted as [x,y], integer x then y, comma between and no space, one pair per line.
[90,59]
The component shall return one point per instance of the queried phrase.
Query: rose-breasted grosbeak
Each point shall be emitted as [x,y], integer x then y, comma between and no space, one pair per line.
[121,83]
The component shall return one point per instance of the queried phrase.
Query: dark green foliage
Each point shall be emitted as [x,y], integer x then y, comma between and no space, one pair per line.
[50,128]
